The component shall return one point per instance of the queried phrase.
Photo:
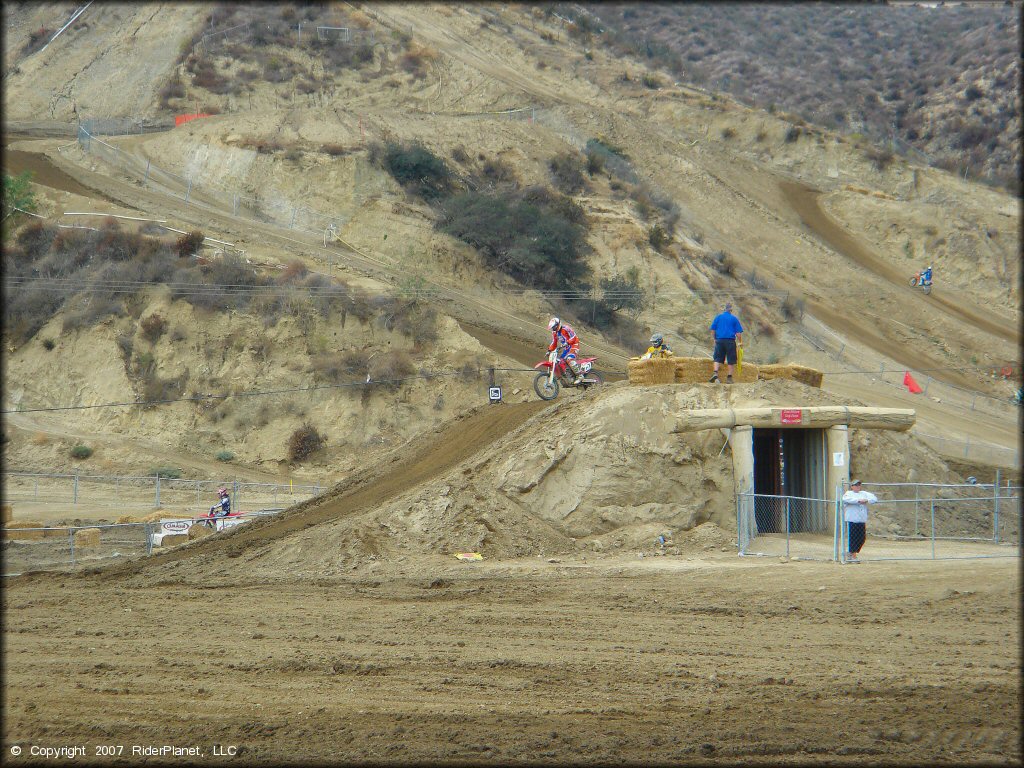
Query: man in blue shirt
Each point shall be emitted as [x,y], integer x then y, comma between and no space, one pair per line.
[727,333]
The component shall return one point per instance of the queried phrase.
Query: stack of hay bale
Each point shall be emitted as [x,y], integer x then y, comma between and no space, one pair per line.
[13,530]
[801,373]
[698,370]
[653,370]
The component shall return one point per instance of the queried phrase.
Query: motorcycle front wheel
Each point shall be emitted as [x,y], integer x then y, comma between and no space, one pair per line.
[546,390]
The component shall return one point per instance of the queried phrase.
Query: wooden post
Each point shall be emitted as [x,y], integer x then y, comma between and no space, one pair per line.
[837,441]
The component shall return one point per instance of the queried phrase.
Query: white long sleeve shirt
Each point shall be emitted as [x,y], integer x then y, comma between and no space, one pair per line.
[853,510]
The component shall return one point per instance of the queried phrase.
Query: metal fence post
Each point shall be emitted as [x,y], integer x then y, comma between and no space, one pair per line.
[157,500]
[995,512]
[197,493]
[236,497]
[917,502]
[71,544]
[35,491]
[787,525]
[149,540]
[933,529]
[75,501]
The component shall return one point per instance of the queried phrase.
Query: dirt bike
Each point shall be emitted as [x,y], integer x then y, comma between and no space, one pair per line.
[555,372]
[917,280]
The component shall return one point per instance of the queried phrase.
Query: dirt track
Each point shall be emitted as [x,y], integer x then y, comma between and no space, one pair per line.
[674,659]
[805,202]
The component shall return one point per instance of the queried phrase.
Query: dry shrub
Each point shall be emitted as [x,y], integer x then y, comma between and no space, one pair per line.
[190,243]
[295,270]
[304,442]
[153,328]
[389,370]
[334,150]
[418,60]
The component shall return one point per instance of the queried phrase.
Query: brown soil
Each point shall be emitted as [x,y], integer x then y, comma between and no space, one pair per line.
[666,659]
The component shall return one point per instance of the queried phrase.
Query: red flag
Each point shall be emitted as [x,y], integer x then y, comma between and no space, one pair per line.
[909,383]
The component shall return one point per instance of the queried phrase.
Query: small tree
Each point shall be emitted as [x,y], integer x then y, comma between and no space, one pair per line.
[189,244]
[18,193]
[304,442]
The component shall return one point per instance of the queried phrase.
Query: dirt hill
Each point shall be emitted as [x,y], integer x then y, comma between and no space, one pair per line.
[755,214]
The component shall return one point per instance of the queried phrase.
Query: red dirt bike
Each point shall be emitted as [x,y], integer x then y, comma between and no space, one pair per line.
[555,372]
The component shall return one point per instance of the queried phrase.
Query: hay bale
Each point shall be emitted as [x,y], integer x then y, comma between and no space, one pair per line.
[155,517]
[172,539]
[801,373]
[698,370]
[198,530]
[8,513]
[130,519]
[87,537]
[654,370]
[12,530]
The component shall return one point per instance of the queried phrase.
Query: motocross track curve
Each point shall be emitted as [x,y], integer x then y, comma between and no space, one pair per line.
[424,458]
[804,201]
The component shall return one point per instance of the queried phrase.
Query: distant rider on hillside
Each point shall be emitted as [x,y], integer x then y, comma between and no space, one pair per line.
[565,340]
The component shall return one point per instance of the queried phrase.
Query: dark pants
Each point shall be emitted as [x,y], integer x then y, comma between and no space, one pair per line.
[725,351]
[856,535]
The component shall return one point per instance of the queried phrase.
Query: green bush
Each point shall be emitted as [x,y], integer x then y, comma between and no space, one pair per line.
[224,456]
[18,193]
[535,236]
[81,452]
[171,473]
[417,169]
[304,442]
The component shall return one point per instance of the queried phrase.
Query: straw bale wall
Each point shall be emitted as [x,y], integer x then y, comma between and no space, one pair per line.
[654,370]
[8,513]
[801,373]
[698,370]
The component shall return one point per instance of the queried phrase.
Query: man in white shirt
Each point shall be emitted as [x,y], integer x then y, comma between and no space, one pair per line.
[855,513]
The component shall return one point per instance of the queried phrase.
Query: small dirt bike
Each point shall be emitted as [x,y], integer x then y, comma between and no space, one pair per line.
[917,280]
[555,373]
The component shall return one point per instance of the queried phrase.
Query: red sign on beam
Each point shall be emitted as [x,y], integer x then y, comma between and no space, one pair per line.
[791,416]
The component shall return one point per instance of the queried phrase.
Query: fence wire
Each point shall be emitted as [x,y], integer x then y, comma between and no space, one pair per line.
[63,548]
[123,493]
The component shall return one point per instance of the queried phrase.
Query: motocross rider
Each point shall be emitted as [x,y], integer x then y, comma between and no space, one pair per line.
[565,340]
[223,506]
[658,348]
[926,275]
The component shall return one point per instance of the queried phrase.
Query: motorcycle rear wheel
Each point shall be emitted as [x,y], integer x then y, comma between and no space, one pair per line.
[598,380]
[913,281]
[546,390]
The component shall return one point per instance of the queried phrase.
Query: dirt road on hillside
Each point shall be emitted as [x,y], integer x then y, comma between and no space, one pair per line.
[805,202]
[701,658]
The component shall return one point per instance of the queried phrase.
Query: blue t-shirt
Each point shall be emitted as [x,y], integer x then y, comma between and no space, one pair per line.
[726,326]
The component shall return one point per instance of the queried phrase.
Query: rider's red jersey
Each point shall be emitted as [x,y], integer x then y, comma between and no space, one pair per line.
[566,334]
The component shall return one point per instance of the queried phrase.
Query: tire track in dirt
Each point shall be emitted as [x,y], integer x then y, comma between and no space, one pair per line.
[804,201]
[423,459]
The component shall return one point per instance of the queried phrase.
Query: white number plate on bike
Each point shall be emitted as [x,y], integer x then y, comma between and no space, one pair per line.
[585,367]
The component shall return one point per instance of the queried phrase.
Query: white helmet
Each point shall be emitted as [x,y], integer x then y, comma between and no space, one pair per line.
[554,323]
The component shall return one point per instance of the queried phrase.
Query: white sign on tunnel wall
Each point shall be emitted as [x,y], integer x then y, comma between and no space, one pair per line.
[838,459]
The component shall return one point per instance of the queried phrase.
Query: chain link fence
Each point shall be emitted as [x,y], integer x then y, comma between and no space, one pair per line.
[122,492]
[784,526]
[64,548]
[926,521]
[911,521]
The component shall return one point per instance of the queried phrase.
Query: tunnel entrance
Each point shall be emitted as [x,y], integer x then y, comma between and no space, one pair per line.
[789,480]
